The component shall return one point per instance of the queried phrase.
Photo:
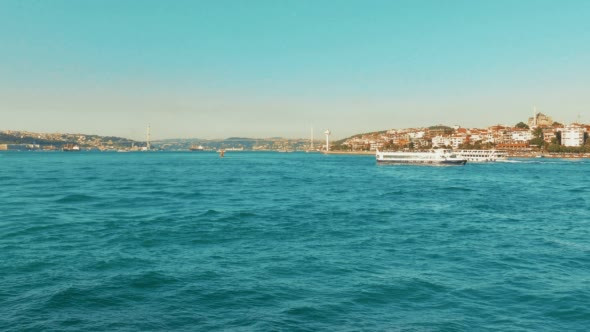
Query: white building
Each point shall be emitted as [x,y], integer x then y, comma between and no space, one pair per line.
[457,140]
[488,137]
[438,141]
[416,134]
[548,134]
[572,135]
[375,145]
[521,135]
[476,137]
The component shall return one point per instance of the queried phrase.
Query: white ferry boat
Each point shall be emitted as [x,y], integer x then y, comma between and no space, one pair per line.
[432,157]
[482,155]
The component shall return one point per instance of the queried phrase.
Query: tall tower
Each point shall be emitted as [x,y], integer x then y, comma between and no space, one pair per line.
[147,140]
[311,142]
[535,116]
[327,132]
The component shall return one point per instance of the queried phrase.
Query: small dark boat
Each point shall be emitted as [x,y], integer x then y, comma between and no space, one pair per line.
[71,148]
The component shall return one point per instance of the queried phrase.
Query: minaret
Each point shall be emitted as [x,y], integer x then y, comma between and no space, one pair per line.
[327,132]
[534,116]
[148,134]
[311,143]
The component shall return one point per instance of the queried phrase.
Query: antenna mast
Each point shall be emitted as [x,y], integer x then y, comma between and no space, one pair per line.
[148,135]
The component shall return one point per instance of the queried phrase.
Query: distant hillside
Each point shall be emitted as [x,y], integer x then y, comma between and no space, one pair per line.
[57,140]
[369,134]
[275,143]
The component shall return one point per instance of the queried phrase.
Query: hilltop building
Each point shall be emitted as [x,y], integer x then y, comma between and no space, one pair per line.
[540,120]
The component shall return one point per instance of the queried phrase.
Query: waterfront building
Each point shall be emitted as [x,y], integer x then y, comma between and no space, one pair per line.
[505,137]
[416,134]
[440,141]
[452,141]
[457,140]
[497,134]
[521,135]
[19,147]
[572,135]
[476,136]
[375,145]
[400,139]
[488,137]
[420,142]
[514,146]
[548,134]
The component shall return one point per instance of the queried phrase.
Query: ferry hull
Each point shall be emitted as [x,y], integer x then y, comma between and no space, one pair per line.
[438,157]
[423,162]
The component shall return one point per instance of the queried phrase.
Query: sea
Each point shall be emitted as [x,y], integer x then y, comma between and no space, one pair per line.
[262,241]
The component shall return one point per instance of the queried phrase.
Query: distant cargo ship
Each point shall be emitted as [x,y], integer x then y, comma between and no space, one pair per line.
[433,157]
[71,148]
[482,155]
[197,148]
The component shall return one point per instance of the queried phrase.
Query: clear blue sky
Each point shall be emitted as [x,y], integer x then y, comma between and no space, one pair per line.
[274,68]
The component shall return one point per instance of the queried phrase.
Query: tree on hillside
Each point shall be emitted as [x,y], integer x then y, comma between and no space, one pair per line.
[522,125]
[441,129]
[537,141]
[537,138]
[477,145]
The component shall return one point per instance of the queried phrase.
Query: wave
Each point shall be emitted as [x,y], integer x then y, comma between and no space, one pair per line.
[210,212]
[455,188]
[76,198]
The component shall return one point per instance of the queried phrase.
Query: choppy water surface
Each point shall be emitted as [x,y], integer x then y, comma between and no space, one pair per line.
[269,241]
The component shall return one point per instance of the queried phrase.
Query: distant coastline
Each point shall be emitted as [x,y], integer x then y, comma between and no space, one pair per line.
[540,136]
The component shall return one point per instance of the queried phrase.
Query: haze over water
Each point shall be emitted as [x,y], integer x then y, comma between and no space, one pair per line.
[269,241]
[216,69]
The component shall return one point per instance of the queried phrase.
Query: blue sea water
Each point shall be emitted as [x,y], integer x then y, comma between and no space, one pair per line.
[291,242]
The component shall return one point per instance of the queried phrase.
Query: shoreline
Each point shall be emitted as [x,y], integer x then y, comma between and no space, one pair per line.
[510,155]
[350,152]
[550,155]
[524,155]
